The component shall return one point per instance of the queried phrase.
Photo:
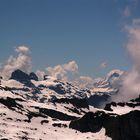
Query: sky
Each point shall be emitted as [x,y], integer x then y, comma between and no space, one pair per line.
[88,32]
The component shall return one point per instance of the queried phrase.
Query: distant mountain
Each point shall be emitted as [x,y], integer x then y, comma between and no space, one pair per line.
[104,88]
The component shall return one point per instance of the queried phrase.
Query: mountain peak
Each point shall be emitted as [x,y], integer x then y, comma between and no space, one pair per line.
[20,76]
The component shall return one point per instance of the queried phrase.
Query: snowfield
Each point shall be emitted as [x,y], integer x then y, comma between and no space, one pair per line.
[14,124]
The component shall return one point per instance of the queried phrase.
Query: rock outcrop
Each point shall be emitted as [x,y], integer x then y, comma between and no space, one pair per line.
[118,127]
[33,76]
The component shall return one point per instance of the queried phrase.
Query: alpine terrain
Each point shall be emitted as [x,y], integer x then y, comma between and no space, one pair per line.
[52,109]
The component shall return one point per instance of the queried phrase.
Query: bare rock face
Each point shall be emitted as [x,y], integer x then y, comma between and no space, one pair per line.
[23,77]
[132,104]
[33,76]
[98,100]
[58,88]
[20,76]
[90,122]
[78,103]
[124,127]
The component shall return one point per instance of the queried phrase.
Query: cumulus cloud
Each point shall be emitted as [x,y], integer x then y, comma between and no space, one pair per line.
[40,74]
[21,61]
[22,49]
[62,71]
[127,11]
[69,72]
[131,81]
[103,65]
[71,66]
[84,82]
[129,8]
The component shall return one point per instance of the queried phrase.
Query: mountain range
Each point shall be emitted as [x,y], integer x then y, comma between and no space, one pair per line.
[52,109]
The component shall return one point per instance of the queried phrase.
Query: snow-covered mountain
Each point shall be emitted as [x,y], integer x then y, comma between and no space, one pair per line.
[104,88]
[52,109]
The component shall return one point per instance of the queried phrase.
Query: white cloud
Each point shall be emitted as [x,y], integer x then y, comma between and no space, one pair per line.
[62,71]
[131,81]
[85,82]
[40,74]
[103,65]
[86,78]
[127,11]
[129,8]
[69,72]
[71,66]
[22,49]
[21,61]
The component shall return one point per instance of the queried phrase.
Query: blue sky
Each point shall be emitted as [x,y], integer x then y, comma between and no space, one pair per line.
[89,32]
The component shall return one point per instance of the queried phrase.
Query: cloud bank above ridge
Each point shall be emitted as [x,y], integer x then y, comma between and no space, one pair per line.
[21,60]
[131,81]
